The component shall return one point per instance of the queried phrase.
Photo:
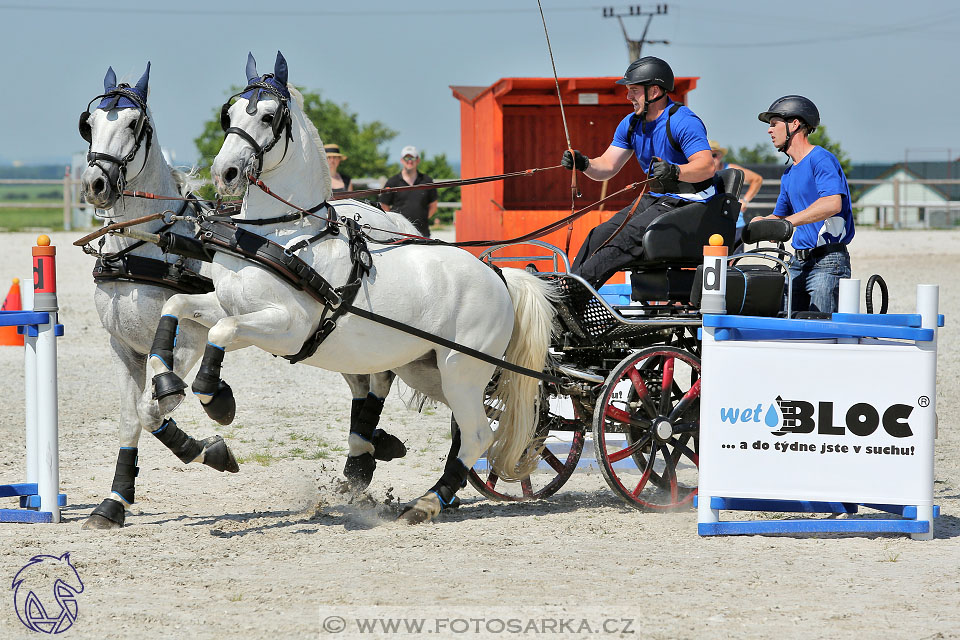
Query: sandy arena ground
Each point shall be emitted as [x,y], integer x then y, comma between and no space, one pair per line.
[276,552]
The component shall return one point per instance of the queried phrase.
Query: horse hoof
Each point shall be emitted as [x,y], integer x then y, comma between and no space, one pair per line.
[217,455]
[358,471]
[413,515]
[387,447]
[169,404]
[168,391]
[222,406]
[109,515]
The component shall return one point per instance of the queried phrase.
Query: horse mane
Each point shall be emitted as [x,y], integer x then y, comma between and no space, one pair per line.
[187,181]
[314,135]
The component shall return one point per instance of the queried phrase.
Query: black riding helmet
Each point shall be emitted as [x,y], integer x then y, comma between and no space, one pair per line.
[789,107]
[649,70]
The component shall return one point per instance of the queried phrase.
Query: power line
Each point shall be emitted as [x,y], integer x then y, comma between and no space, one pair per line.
[220,13]
[634,47]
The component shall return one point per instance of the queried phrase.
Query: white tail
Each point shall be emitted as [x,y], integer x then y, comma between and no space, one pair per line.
[511,454]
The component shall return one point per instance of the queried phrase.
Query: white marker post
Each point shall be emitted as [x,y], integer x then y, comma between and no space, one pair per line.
[48,455]
[713,300]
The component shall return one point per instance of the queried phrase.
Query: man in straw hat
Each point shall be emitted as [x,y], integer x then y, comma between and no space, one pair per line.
[339,181]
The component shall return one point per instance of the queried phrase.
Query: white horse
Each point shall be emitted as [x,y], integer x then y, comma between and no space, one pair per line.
[443,291]
[135,279]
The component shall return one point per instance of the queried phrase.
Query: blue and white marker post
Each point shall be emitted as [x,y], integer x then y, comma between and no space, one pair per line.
[41,491]
[820,416]
[48,448]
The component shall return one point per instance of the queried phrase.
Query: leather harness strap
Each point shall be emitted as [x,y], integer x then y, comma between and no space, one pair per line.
[126,266]
[233,240]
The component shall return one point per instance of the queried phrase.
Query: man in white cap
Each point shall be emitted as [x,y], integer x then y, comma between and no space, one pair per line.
[419,206]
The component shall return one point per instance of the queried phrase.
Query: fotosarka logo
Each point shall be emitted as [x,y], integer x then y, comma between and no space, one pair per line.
[45,594]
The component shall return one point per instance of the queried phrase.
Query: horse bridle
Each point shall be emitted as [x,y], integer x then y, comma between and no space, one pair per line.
[282,125]
[141,130]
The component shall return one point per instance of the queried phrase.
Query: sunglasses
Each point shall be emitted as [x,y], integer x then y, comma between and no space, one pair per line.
[408,158]
[717,155]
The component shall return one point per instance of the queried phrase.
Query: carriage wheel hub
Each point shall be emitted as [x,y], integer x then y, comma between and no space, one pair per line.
[663,429]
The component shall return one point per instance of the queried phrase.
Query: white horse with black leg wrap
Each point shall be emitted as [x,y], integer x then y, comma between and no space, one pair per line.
[443,291]
[134,279]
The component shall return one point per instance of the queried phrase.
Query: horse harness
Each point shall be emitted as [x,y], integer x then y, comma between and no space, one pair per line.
[141,131]
[125,266]
[223,234]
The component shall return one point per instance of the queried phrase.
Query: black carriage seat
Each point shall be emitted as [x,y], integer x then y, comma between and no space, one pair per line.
[673,243]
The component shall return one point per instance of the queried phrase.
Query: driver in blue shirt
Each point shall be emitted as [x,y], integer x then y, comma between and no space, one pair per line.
[670,142]
[814,196]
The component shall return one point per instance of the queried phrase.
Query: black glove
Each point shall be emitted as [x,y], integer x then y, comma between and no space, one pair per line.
[568,161]
[664,172]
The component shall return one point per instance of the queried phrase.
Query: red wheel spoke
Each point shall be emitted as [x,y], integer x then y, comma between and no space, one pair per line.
[525,486]
[670,472]
[552,460]
[666,387]
[618,414]
[688,398]
[640,485]
[492,480]
[680,447]
[638,384]
[629,451]
[646,473]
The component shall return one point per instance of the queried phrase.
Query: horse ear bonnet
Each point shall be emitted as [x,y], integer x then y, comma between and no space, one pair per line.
[113,100]
[278,80]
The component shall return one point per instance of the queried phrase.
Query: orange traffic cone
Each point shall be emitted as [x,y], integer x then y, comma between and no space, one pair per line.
[9,335]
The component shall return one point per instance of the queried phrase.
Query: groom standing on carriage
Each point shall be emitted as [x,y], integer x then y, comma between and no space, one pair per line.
[670,143]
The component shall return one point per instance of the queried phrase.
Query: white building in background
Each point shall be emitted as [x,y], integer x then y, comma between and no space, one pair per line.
[920,205]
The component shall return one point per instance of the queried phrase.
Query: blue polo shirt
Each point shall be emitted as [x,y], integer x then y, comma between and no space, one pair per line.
[816,176]
[651,140]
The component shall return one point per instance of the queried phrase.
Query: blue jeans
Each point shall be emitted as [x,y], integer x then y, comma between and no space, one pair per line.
[816,281]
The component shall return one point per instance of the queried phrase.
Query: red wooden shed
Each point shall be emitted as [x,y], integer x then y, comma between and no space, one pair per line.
[515,124]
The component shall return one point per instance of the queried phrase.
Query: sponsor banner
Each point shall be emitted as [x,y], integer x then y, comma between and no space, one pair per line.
[818,421]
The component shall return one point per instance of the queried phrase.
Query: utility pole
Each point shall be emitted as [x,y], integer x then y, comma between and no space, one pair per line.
[634,47]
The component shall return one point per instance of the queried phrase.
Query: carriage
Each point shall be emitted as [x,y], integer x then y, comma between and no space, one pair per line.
[629,359]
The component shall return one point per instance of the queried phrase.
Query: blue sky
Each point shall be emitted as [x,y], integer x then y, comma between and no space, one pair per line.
[881,72]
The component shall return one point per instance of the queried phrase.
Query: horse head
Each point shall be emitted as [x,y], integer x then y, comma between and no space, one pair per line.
[116,130]
[268,126]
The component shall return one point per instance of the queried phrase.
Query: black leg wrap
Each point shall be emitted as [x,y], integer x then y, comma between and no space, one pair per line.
[124,478]
[358,470]
[163,340]
[208,376]
[364,418]
[453,469]
[222,406]
[454,477]
[368,417]
[109,509]
[183,446]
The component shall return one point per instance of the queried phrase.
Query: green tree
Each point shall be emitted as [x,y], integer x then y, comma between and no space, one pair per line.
[760,153]
[362,142]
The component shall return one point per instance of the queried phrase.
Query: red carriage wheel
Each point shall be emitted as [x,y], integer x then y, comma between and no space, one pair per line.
[646,428]
[563,438]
